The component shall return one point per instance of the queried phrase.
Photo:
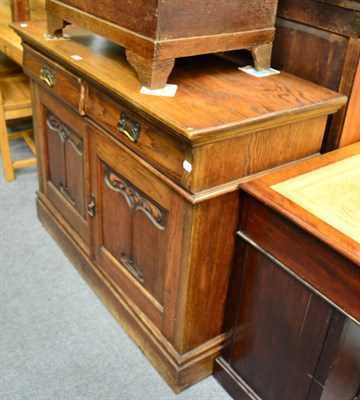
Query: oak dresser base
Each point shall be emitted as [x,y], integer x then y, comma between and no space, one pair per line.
[179,370]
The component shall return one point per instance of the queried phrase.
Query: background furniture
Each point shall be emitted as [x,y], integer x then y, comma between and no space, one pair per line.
[155,33]
[10,42]
[318,40]
[15,97]
[15,105]
[293,314]
[141,191]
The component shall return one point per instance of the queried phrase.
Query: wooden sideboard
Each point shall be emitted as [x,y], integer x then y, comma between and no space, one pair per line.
[318,40]
[141,191]
[293,317]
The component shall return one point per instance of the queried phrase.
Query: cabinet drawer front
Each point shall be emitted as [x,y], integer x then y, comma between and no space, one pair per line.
[153,142]
[53,77]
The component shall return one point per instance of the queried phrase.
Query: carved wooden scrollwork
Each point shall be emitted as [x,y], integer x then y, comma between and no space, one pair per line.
[135,199]
[66,134]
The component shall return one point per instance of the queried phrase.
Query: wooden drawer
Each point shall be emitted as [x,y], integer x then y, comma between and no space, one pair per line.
[62,83]
[147,138]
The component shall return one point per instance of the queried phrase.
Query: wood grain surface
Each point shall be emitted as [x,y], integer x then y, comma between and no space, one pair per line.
[225,99]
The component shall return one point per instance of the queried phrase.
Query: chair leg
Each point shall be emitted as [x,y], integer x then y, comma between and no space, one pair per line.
[29,140]
[5,148]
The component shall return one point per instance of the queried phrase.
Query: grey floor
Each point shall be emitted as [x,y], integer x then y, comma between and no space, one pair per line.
[57,339]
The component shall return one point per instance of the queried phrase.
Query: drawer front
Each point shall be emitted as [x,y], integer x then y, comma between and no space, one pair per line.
[60,82]
[152,142]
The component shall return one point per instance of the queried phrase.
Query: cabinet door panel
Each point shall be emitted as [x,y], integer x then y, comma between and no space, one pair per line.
[66,168]
[63,179]
[55,147]
[133,227]
[149,252]
[114,213]
[280,329]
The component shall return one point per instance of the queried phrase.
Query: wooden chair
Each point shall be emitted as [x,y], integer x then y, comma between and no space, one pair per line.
[15,105]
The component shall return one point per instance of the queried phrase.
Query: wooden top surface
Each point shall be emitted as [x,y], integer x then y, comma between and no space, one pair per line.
[322,195]
[10,42]
[213,95]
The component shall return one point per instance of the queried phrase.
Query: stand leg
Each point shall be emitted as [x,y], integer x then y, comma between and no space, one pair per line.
[152,73]
[55,26]
[262,56]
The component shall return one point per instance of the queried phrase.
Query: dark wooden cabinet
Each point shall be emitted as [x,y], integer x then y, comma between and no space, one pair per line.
[280,330]
[141,191]
[294,303]
[318,40]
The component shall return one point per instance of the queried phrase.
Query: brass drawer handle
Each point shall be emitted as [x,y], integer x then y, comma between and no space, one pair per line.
[131,129]
[47,75]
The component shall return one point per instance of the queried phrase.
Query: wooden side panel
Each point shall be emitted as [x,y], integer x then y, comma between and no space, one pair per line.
[279,332]
[342,20]
[310,53]
[139,16]
[318,41]
[211,228]
[188,18]
[351,129]
[178,18]
[351,65]
[218,163]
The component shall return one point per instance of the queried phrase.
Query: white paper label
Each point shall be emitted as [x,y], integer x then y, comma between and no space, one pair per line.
[249,69]
[187,166]
[167,91]
[76,57]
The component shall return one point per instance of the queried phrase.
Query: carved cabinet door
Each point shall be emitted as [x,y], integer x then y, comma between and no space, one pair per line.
[62,136]
[137,232]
